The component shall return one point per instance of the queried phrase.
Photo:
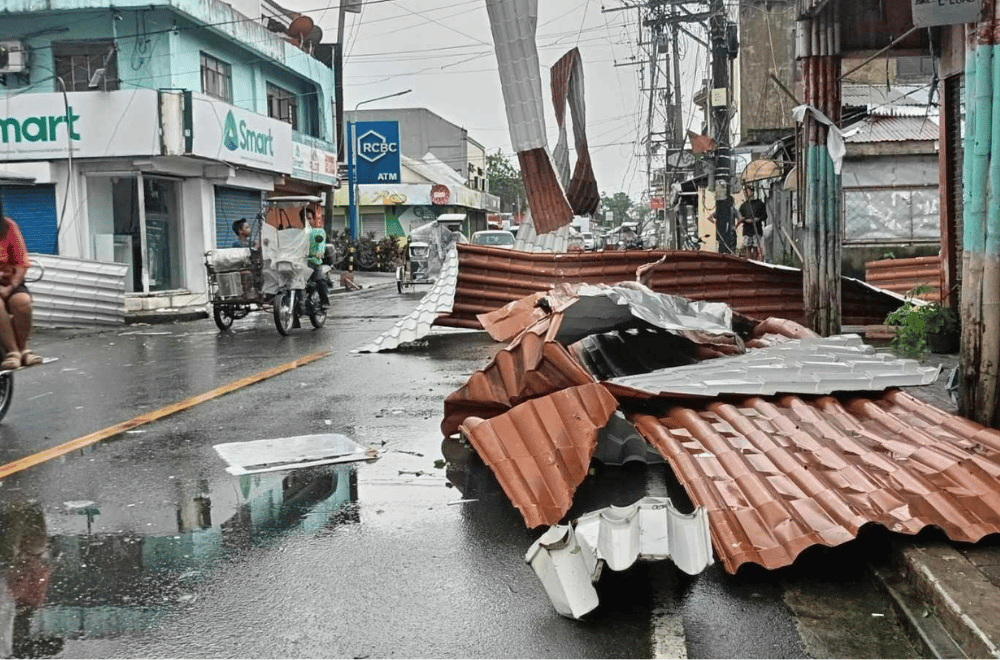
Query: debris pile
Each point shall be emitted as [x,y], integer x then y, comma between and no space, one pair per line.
[781,439]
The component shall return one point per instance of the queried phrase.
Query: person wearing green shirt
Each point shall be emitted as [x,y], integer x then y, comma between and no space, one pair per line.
[317,250]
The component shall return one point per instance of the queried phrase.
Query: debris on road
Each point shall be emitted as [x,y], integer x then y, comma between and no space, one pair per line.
[291,453]
[568,559]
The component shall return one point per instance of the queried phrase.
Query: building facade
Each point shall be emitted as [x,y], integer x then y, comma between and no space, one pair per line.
[138,132]
[443,170]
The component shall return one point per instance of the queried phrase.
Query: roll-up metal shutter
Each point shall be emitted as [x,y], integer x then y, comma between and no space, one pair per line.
[33,208]
[231,204]
[374,223]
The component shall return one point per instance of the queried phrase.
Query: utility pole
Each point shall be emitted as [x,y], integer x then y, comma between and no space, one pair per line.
[719,100]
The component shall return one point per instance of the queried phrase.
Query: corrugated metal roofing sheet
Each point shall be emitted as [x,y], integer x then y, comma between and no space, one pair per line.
[531,368]
[891,129]
[567,86]
[488,281]
[803,366]
[780,474]
[550,209]
[877,96]
[540,451]
[903,275]
[528,240]
[418,323]
[77,292]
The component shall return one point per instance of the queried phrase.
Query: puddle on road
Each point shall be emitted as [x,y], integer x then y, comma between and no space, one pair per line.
[82,569]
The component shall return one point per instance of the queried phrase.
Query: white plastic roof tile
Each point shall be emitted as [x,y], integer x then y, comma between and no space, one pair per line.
[800,366]
[568,559]
[439,300]
[513,24]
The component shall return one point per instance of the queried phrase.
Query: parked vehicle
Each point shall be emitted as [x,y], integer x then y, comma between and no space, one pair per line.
[494,237]
[272,275]
[426,249]
[588,240]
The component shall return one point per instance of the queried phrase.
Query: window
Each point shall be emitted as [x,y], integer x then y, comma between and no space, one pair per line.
[880,215]
[216,78]
[85,65]
[282,105]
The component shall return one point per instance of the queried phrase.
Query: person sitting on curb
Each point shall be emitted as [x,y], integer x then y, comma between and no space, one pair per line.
[15,312]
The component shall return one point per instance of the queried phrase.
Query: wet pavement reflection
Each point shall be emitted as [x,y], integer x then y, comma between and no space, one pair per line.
[89,582]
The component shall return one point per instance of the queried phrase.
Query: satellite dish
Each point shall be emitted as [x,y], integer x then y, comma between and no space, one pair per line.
[315,35]
[300,26]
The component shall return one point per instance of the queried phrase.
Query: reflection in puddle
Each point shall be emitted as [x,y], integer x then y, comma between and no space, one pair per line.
[102,582]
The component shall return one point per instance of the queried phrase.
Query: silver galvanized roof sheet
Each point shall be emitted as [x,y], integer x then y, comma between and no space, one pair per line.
[891,129]
[439,300]
[513,23]
[802,366]
[877,96]
[76,292]
[528,240]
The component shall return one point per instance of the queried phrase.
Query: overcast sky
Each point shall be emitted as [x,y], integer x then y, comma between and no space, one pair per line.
[443,51]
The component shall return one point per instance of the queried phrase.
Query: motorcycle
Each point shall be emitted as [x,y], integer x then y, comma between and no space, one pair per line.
[286,271]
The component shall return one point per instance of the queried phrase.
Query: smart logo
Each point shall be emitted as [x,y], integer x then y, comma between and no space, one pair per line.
[43,128]
[239,137]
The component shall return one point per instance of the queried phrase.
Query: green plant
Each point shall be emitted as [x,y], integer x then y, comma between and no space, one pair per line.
[920,323]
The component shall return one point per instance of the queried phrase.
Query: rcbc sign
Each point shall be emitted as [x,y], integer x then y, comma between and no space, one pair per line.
[377,151]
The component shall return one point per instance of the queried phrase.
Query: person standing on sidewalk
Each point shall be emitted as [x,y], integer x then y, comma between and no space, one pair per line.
[15,312]
[752,214]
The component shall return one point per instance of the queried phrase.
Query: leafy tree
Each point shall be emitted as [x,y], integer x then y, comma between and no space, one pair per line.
[506,183]
[616,208]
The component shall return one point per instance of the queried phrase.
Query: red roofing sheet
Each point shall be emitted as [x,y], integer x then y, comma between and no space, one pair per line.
[567,86]
[780,474]
[488,280]
[903,275]
[540,451]
[550,209]
[530,368]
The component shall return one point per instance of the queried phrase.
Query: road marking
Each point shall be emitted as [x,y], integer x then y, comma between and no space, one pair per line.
[104,434]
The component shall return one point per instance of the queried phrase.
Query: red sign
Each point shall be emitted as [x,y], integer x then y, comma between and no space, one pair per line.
[440,194]
[656,203]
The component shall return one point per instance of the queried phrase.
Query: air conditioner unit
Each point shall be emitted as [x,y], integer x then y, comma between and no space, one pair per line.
[13,57]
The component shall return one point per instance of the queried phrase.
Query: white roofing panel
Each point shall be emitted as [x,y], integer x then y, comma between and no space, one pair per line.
[568,558]
[813,365]
[417,324]
[528,240]
[76,292]
[513,24]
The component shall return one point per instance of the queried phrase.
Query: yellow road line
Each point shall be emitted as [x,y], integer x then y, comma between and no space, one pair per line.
[97,436]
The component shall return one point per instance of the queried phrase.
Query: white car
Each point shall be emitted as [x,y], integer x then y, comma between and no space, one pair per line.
[494,238]
[588,240]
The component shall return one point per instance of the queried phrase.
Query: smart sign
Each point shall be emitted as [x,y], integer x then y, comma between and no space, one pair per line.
[377,152]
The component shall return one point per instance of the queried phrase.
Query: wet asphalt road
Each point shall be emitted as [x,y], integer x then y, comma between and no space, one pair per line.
[156,551]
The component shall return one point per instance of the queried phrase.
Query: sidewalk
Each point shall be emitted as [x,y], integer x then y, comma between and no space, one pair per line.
[366,280]
[949,593]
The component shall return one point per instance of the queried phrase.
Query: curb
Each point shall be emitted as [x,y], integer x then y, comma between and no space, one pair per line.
[956,592]
[923,628]
[165,317]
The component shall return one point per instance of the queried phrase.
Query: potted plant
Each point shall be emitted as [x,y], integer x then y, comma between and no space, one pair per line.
[924,326]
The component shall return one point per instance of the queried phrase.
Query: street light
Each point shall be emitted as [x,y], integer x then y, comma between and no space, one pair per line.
[352,170]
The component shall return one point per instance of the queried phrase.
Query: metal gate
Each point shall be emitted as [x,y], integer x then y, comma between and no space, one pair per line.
[231,204]
[374,223]
[33,208]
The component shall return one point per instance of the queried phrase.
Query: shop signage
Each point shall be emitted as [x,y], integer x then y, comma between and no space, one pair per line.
[927,13]
[377,152]
[440,194]
[655,203]
[311,163]
[44,126]
[234,135]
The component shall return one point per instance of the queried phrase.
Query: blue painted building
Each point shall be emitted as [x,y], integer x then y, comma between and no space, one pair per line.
[137,132]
